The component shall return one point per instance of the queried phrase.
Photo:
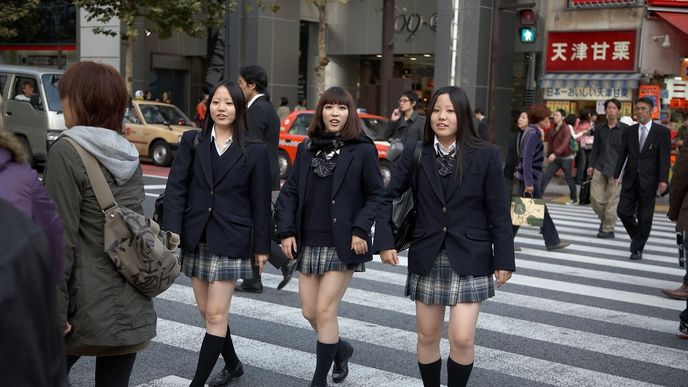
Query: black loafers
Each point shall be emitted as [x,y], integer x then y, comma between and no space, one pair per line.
[340,368]
[253,285]
[287,272]
[225,376]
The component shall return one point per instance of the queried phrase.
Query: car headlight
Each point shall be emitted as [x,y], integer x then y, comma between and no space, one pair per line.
[179,139]
[53,135]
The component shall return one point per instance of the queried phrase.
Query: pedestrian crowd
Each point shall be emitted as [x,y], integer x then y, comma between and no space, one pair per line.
[223,199]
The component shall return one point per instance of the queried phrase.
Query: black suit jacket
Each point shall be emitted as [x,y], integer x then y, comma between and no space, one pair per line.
[233,208]
[473,219]
[357,192]
[264,124]
[649,166]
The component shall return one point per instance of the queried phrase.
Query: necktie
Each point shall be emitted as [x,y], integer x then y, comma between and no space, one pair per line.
[446,163]
[643,135]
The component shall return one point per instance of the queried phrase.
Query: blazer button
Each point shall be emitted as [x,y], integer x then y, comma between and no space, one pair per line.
[333,202]
[444,229]
[211,192]
[210,209]
[334,220]
[444,209]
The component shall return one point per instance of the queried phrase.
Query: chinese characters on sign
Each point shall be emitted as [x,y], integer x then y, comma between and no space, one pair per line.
[591,51]
[587,93]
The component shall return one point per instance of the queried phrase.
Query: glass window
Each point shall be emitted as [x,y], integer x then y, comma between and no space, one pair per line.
[301,123]
[52,95]
[163,115]
[130,116]
[374,128]
[3,80]
[25,91]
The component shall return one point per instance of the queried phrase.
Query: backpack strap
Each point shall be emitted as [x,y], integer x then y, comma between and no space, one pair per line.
[95,175]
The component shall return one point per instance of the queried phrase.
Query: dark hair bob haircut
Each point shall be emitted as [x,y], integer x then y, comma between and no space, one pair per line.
[239,126]
[96,93]
[336,96]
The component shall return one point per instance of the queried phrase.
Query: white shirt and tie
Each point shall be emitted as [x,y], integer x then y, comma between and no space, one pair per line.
[643,131]
[220,147]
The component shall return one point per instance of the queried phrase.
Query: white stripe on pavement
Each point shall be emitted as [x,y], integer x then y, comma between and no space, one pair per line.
[167,381]
[282,360]
[589,241]
[155,186]
[402,340]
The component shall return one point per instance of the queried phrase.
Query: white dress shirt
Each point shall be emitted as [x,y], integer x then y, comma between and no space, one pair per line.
[221,148]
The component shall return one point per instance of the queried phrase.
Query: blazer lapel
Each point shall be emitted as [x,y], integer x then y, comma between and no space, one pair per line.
[306,158]
[203,150]
[650,139]
[429,167]
[455,182]
[343,161]
[231,156]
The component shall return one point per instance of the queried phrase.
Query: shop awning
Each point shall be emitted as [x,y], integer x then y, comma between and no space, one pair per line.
[678,20]
[591,80]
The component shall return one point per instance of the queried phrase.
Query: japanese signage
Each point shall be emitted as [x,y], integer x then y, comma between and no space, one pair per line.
[600,3]
[587,93]
[652,92]
[591,51]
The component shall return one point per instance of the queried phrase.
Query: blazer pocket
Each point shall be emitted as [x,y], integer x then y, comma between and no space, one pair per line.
[417,233]
[248,222]
[478,235]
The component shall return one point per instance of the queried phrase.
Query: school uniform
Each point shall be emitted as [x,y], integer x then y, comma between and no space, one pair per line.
[331,195]
[463,226]
[218,199]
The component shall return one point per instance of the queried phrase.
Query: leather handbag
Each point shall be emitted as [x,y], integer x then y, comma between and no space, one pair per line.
[143,254]
[527,211]
[584,194]
[404,209]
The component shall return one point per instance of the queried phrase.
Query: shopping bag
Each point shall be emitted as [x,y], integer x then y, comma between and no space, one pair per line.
[584,194]
[527,211]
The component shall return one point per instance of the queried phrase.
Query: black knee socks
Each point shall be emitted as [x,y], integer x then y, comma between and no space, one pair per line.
[114,371]
[430,373]
[210,351]
[228,353]
[325,355]
[458,374]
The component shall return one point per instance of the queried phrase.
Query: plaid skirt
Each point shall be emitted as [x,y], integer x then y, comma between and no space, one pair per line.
[208,267]
[318,260]
[444,287]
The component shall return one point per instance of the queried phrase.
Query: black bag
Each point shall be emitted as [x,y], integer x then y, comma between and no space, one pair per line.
[403,208]
[158,207]
[584,194]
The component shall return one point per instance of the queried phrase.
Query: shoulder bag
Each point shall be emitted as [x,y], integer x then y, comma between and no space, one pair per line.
[142,253]
[404,208]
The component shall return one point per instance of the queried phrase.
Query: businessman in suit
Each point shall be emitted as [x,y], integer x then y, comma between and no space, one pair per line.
[645,151]
[264,125]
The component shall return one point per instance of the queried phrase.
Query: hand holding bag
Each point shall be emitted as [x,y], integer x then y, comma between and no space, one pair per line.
[403,208]
[584,194]
[142,253]
[527,211]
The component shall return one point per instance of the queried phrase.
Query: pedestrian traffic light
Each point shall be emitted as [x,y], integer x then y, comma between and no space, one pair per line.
[527,34]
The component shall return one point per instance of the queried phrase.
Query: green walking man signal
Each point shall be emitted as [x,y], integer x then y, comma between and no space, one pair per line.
[527,34]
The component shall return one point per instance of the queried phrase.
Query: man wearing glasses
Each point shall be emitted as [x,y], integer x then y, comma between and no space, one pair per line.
[645,152]
[405,125]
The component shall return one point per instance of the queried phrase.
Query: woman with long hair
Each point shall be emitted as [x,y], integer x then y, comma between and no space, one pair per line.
[462,235]
[102,314]
[218,199]
[325,212]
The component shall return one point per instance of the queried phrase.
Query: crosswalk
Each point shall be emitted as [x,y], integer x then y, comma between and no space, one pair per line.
[583,316]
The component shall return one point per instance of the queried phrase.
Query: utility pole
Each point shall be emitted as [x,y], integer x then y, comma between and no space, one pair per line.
[387,54]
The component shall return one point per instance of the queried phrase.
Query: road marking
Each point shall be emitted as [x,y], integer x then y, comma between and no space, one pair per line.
[155,186]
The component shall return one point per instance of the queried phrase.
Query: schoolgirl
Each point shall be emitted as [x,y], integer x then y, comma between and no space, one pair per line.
[218,199]
[462,236]
[325,212]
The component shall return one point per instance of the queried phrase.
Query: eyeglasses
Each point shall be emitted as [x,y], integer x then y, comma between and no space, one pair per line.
[404,100]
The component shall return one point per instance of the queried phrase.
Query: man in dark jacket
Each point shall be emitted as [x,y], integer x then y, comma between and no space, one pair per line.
[645,152]
[405,125]
[678,213]
[483,131]
[560,154]
[32,353]
[264,125]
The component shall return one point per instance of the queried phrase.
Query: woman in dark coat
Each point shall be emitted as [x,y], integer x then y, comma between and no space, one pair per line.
[462,235]
[218,199]
[678,213]
[325,212]
[101,314]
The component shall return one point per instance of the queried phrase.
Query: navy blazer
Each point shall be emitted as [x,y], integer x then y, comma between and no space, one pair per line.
[649,165]
[264,124]
[357,192]
[473,220]
[233,208]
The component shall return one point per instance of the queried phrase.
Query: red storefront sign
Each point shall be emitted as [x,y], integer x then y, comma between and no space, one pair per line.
[591,51]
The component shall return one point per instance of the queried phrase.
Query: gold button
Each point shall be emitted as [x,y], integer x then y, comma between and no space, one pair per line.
[444,229]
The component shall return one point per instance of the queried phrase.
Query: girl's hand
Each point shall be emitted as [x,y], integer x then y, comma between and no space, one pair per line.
[261,260]
[358,245]
[289,247]
[389,257]
[68,328]
[501,277]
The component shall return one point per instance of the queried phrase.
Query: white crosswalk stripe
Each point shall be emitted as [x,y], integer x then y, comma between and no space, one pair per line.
[585,315]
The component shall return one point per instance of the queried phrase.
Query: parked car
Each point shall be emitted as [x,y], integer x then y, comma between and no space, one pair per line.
[294,129]
[31,108]
[156,128]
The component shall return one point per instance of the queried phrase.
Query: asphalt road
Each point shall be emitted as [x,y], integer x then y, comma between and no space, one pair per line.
[584,316]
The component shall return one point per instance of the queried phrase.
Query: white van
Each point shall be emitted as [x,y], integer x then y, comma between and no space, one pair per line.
[31,107]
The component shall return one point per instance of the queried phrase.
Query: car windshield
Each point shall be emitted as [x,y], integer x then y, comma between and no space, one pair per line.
[51,92]
[374,128]
[163,115]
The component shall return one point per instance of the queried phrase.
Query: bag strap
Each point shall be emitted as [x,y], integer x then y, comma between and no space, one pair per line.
[415,166]
[95,175]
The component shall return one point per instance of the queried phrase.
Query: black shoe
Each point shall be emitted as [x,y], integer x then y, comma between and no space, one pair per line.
[605,234]
[340,369]
[558,246]
[253,285]
[636,256]
[225,376]
[287,271]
